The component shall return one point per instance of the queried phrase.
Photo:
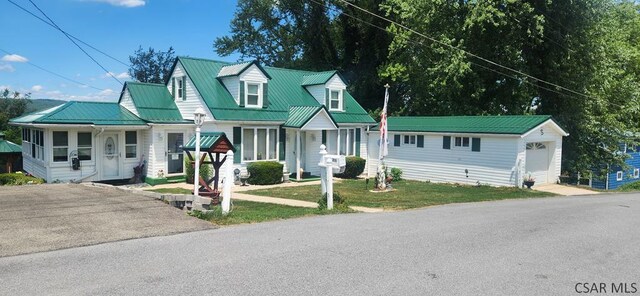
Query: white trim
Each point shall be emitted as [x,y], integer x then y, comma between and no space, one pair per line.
[335,126]
[246,94]
[553,124]
[340,99]
[255,143]
[619,175]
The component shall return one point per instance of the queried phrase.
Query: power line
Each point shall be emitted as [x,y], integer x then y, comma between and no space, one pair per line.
[74,42]
[74,37]
[56,74]
[462,50]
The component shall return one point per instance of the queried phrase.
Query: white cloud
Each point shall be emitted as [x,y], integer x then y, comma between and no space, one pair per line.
[14,58]
[124,3]
[123,75]
[6,68]
[107,95]
[106,92]
[37,88]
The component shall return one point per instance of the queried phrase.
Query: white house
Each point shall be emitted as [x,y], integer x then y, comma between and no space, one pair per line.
[269,114]
[494,150]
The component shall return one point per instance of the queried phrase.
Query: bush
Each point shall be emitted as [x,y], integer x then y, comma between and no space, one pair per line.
[396,174]
[354,167]
[265,172]
[18,179]
[634,186]
[338,201]
[189,170]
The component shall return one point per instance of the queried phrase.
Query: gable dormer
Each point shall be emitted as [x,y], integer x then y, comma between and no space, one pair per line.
[247,82]
[327,88]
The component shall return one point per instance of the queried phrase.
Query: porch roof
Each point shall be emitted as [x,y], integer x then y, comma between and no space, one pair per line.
[212,142]
[299,116]
[75,112]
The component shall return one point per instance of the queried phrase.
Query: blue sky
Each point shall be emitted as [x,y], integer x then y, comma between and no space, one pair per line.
[116,27]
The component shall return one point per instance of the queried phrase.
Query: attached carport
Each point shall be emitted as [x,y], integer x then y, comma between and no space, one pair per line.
[37,218]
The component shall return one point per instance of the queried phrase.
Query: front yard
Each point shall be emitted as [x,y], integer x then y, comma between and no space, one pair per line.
[408,194]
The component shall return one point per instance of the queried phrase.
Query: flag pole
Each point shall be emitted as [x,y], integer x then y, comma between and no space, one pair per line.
[382,149]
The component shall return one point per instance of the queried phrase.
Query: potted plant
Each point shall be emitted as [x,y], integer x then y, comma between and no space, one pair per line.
[529,180]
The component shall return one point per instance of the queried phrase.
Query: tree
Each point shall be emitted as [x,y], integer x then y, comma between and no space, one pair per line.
[150,65]
[12,104]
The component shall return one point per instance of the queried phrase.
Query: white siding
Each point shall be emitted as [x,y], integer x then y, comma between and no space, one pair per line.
[312,153]
[232,83]
[335,83]
[318,92]
[62,171]
[495,164]
[319,122]
[34,167]
[549,135]
[157,150]
[193,99]
[254,74]
[127,102]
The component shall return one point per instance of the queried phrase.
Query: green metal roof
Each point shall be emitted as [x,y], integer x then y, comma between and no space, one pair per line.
[153,102]
[236,69]
[505,124]
[317,78]
[285,90]
[208,140]
[300,115]
[8,147]
[75,112]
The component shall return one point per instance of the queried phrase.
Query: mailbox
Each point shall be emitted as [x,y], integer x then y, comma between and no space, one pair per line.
[336,162]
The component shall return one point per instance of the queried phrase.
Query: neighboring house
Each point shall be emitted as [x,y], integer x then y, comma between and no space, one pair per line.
[617,175]
[9,156]
[494,150]
[269,114]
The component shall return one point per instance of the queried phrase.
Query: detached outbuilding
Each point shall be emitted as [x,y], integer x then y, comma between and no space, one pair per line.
[494,150]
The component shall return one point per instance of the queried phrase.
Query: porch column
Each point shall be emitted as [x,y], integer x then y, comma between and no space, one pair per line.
[298,139]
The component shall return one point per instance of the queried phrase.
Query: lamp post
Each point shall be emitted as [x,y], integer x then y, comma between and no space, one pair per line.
[198,119]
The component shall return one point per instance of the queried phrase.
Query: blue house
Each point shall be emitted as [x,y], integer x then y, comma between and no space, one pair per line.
[617,175]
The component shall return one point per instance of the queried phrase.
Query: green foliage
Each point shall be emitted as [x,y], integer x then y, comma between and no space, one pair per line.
[189,170]
[12,104]
[353,168]
[18,179]
[265,172]
[152,66]
[339,202]
[396,174]
[633,186]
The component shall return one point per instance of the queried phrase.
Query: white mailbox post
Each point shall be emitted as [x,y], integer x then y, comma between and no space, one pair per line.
[229,177]
[329,164]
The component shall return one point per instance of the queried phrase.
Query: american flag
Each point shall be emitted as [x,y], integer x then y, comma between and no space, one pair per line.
[383,151]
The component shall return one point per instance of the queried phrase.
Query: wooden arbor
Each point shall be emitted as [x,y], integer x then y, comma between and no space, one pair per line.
[210,144]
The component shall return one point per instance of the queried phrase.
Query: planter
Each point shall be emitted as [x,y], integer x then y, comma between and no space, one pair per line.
[529,184]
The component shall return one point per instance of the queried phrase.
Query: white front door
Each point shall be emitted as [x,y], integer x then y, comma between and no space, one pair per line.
[110,157]
[538,161]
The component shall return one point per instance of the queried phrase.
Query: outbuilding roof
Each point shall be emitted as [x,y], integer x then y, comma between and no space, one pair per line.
[8,147]
[213,142]
[505,124]
[77,112]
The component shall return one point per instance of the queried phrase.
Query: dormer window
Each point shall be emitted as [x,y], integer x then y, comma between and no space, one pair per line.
[253,95]
[180,87]
[335,99]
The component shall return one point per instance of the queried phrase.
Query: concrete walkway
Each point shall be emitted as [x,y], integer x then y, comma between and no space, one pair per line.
[563,189]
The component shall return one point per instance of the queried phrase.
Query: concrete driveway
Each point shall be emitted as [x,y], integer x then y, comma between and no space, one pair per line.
[48,217]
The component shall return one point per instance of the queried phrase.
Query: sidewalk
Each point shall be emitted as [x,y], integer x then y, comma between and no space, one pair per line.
[563,189]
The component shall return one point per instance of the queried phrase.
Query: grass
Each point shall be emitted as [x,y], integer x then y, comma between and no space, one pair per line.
[408,194]
[18,179]
[629,187]
[253,212]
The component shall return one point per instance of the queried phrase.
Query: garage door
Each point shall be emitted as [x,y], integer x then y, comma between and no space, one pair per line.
[538,161]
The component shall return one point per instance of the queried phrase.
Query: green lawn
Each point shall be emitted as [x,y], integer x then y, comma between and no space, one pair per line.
[408,194]
[253,212]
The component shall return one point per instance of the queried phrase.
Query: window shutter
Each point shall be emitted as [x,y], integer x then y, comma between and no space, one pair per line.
[326,98]
[446,142]
[241,98]
[420,141]
[184,88]
[324,137]
[358,142]
[173,87]
[475,144]
[237,143]
[396,140]
[265,95]
[283,144]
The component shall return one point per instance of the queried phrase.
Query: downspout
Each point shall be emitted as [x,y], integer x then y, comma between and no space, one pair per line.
[95,170]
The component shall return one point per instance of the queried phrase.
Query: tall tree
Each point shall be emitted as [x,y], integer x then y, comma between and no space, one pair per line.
[152,66]
[12,104]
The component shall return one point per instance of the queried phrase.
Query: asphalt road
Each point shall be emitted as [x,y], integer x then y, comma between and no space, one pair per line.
[515,247]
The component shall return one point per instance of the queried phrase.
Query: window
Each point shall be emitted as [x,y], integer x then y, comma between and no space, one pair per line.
[347,141]
[84,145]
[536,146]
[131,144]
[636,173]
[334,100]
[259,144]
[179,88]
[26,141]
[410,140]
[461,142]
[33,143]
[619,175]
[60,146]
[253,95]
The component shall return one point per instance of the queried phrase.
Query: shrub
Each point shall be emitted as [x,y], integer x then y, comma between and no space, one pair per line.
[18,179]
[265,172]
[634,186]
[189,170]
[353,168]
[396,174]
[338,201]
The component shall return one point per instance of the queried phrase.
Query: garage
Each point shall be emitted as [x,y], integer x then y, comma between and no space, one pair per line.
[537,161]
